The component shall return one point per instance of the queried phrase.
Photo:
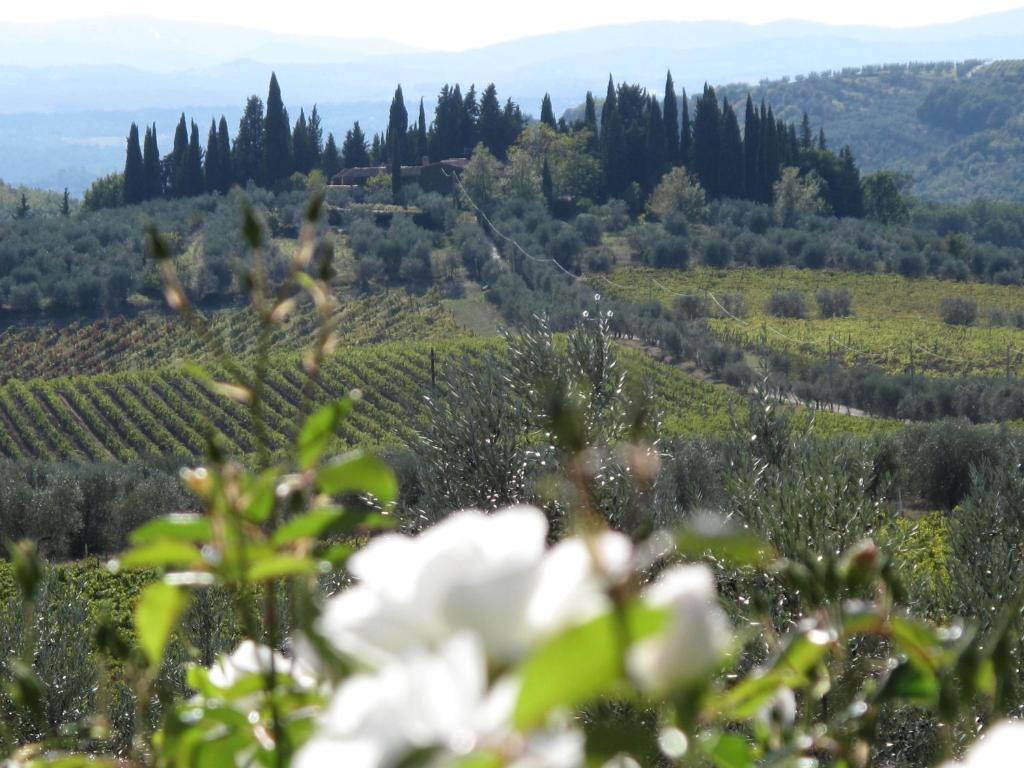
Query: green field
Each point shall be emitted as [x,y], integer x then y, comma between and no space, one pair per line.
[895,321]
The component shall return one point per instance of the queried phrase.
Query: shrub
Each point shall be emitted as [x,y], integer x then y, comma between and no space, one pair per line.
[589,228]
[677,192]
[670,251]
[911,265]
[718,254]
[26,297]
[769,255]
[787,303]
[690,307]
[834,303]
[734,304]
[815,255]
[599,260]
[955,310]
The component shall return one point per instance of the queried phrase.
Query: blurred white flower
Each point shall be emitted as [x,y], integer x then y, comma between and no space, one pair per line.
[1001,746]
[697,635]
[488,574]
[250,658]
[430,701]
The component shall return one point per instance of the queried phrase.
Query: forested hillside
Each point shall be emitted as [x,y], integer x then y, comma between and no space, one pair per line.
[957,129]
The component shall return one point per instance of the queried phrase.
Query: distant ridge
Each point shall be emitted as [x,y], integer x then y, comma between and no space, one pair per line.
[100,74]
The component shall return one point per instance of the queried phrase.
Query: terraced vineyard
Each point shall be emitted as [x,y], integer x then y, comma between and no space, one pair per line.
[895,322]
[143,342]
[165,411]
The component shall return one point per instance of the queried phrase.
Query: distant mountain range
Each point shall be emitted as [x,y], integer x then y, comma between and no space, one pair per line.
[99,75]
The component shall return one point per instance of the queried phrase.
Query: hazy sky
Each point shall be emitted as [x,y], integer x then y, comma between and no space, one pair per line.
[458,24]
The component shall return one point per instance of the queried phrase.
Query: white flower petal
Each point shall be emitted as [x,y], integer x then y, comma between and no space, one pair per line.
[697,636]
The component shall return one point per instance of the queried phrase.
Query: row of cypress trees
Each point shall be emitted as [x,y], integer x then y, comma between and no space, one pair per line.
[266,150]
[637,138]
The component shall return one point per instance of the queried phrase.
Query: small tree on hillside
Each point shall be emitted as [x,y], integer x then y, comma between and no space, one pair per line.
[797,195]
[481,179]
[677,192]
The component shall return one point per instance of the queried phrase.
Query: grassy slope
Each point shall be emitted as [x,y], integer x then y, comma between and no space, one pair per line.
[892,316]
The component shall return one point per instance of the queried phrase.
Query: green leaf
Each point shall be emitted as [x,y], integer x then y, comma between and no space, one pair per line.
[319,429]
[732,751]
[156,614]
[745,698]
[328,520]
[910,682]
[339,554]
[723,542]
[358,472]
[262,492]
[804,651]
[580,664]
[159,554]
[278,566]
[179,527]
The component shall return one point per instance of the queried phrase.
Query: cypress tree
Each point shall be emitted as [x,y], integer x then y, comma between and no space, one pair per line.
[398,123]
[751,150]
[512,117]
[247,154]
[151,166]
[224,155]
[806,137]
[315,143]
[794,146]
[277,161]
[610,104]
[458,127]
[65,203]
[134,173]
[670,114]
[23,209]
[590,125]
[354,153]
[707,141]
[491,126]
[547,113]
[422,148]
[655,146]
[177,159]
[330,161]
[731,173]
[613,154]
[194,164]
[470,119]
[770,150]
[822,144]
[686,135]
[212,163]
[848,196]
[376,154]
[301,155]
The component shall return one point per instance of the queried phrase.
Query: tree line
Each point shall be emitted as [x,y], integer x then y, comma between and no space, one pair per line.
[635,138]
